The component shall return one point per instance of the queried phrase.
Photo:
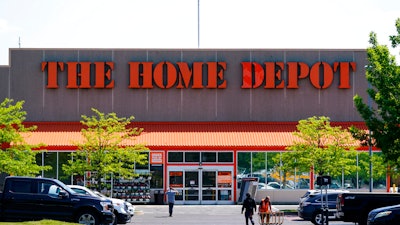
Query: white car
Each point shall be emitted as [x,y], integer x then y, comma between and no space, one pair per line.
[131,208]
[264,186]
[128,206]
[122,210]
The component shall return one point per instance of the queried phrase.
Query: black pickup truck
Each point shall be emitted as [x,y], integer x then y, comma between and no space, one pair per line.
[27,198]
[355,206]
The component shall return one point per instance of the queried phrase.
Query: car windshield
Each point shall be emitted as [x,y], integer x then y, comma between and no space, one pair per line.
[99,194]
[65,187]
[83,190]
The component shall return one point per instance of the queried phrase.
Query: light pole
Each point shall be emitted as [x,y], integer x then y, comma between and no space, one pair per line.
[370,145]
[198,23]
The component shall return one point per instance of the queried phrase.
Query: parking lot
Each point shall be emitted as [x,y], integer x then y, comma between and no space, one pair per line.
[206,215]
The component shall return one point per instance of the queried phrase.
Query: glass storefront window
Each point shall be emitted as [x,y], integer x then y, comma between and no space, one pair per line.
[63,158]
[273,161]
[225,157]
[209,195]
[209,179]
[224,179]
[259,166]
[156,177]
[191,195]
[39,160]
[191,179]
[244,164]
[208,157]
[225,195]
[175,156]
[50,159]
[176,179]
[192,157]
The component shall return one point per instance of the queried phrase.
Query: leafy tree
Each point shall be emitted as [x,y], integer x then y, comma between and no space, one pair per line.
[106,148]
[16,156]
[383,118]
[380,167]
[285,163]
[326,149]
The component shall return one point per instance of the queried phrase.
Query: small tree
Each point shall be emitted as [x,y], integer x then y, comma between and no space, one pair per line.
[322,148]
[16,156]
[103,151]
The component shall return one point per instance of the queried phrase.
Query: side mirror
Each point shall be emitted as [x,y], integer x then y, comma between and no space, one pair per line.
[63,194]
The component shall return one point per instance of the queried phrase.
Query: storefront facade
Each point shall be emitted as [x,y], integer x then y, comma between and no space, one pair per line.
[202,110]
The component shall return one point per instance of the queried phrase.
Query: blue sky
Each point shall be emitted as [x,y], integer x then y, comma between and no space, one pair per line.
[337,24]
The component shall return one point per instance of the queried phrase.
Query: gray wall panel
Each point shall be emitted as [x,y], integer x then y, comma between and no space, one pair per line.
[4,82]
[100,99]
[233,103]
[59,104]
[27,82]
[128,102]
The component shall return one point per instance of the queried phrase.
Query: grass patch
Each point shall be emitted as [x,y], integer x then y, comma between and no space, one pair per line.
[41,222]
[289,210]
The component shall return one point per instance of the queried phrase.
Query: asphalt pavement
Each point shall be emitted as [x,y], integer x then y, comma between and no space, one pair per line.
[210,215]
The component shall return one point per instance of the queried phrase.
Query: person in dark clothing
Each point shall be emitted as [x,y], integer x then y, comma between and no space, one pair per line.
[250,205]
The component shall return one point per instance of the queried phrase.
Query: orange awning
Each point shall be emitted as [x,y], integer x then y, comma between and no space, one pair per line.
[183,135]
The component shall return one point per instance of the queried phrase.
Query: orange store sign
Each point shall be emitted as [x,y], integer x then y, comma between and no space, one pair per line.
[156,158]
[200,75]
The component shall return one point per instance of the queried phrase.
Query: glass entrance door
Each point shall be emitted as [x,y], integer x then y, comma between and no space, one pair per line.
[191,191]
[209,187]
[202,186]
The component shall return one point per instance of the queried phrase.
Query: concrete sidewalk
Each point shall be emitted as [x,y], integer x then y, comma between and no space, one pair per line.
[196,214]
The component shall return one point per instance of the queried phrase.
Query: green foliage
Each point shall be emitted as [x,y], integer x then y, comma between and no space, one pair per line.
[380,167]
[105,149]
[16,156]
[325,148]
[383,117]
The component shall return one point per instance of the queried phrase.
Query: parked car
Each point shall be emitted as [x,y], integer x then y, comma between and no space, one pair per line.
[384,216]
[310,207]
[355,206]
[126,205]
[263,176]
[333,185]
[318,191]
[122,216]
[131,208]
[264,186]
[36,198]
[276,185]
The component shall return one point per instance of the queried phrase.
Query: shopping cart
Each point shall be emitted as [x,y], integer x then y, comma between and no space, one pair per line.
[275,218]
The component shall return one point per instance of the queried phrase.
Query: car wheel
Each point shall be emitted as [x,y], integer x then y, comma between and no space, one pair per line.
[318,218]
[88,218]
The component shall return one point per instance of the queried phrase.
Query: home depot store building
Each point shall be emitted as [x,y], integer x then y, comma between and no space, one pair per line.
[206,113]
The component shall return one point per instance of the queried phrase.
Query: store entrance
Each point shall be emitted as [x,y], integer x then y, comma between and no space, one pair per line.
[202,185]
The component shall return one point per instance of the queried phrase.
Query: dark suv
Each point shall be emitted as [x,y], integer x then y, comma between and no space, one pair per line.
[310,207]
[384,216]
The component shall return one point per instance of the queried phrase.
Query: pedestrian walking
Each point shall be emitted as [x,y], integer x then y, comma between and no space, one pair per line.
[250,207]
[171,199]
[265,210]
